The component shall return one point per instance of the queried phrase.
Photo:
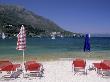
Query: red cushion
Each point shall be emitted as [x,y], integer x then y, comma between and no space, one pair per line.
[104,66]
[101,66]
[32,66]
[79,63]
[97,65]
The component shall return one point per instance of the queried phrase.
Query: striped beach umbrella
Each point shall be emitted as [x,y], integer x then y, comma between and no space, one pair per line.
[21,42]
[87,43]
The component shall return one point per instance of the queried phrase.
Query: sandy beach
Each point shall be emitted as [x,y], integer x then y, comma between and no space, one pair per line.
[61,71]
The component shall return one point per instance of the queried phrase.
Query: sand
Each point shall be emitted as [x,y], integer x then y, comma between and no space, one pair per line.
[61,71]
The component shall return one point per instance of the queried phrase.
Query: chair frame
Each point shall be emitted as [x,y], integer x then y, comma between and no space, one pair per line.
[37,69]
[79,65]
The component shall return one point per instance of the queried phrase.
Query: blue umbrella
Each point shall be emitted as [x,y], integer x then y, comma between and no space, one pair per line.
[87,43]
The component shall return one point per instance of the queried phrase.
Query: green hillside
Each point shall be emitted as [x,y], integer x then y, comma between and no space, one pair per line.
[12,17]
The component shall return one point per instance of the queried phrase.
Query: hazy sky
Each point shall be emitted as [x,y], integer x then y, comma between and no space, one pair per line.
[85,16]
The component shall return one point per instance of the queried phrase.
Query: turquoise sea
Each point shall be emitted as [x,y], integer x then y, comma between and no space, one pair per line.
[42,46]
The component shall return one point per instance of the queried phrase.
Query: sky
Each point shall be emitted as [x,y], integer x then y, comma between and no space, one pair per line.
[81,16]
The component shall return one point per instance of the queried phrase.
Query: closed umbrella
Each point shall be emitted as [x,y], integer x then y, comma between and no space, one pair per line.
[21,42]
[87,43]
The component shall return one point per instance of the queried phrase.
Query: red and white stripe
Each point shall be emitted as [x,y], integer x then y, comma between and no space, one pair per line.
[21,43]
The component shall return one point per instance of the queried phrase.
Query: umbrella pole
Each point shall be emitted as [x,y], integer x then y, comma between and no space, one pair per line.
[23,65]
[23,57]
[23,61]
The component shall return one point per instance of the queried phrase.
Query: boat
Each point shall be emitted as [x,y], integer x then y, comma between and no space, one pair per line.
[61,36]
[53,37]
[38,36]
[3,36]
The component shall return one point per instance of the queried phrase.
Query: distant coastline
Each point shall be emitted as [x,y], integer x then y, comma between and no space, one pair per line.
[100,35]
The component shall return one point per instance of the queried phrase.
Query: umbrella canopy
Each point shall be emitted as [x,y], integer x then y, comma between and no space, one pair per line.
[87,43]
[21,43]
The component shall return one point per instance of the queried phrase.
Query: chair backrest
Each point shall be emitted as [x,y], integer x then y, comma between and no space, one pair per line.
[8,68]
[107,62]
[3,63]
[104,66]
[79,63]
[29,62]
[32,66]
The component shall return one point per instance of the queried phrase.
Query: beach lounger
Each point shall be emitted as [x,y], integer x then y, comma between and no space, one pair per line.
[79,65]
[8,66]
[35,69]
[32,66]
[102,68]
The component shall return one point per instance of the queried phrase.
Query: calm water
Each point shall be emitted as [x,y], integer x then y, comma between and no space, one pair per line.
[37,46]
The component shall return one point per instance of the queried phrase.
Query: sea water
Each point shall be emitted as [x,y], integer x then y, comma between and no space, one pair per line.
[42,46]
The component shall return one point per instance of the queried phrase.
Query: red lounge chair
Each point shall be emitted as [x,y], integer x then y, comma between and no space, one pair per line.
[79,66]
[102,68]
[34,68]
[8,66]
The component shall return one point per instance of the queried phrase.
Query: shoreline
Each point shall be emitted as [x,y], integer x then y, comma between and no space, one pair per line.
[57,56]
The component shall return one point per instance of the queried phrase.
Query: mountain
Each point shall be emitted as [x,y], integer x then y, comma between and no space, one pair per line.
[12,17]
